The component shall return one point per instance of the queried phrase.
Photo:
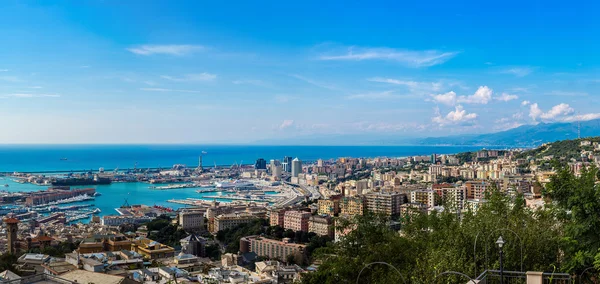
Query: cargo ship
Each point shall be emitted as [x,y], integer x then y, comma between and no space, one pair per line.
[74,181]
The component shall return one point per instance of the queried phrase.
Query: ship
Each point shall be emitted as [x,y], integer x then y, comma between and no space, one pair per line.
[81,181]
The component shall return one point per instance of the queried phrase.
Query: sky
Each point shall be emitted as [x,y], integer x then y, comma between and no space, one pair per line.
[242,71]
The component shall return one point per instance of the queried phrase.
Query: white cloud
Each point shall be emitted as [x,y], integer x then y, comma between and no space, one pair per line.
[582,117]
[191,77]
[448,98]
[525,103]
[4,70]
[169,49]
[457,116]
[556,113]
[411,58]
[518,71]
[168,90]
[286,124]
[505,97]
[482,96]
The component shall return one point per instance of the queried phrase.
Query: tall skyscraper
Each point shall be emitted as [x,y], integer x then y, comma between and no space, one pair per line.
[296,167]
[287,164]
[261,164]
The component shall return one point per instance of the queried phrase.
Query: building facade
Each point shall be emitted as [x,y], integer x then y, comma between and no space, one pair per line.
[273,249]
[191,220]
[296,220]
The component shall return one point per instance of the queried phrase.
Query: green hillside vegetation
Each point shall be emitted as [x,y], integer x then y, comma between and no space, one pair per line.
[562,237]
[565,150]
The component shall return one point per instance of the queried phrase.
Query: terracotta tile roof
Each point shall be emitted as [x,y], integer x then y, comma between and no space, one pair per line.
[11,221]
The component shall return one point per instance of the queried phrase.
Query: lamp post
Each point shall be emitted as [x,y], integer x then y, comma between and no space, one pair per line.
[500,243]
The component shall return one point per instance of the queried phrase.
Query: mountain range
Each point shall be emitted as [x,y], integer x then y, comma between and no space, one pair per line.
[522,136]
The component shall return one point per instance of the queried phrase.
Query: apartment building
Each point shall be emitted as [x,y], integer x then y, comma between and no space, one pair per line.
[387,203]
[423,196]
[352,206]
[227,221]
[270,248]
[296,220]
[191,220]
[321,225]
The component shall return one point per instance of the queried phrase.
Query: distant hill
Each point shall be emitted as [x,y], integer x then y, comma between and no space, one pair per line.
[523,136]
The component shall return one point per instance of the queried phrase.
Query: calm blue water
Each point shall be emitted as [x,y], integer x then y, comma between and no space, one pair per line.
[48,158]
[31,158]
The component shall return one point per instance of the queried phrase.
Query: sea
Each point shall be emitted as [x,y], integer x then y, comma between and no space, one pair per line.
[47,158]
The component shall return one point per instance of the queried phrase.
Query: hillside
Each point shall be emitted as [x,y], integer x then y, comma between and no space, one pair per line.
[523,136]
[566,150]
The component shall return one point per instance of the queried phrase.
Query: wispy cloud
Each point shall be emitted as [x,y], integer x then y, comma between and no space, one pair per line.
[567,94]
[168,90]
[520,71]
[415,86]
[505,97]
[28,95]
[4,70]
[259,83]
[191,77]
[286,124]
[169,49]
[85,66]
[13,79]
[315,82]
[375,96]
[410,58]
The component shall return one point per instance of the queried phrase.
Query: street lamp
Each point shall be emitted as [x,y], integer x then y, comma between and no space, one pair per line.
[500,243]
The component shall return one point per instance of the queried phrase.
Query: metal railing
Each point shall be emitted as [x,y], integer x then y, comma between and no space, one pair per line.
[557,278]
[518,277]
[510,277]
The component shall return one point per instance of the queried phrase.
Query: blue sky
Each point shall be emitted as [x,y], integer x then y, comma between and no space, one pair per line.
[235,72]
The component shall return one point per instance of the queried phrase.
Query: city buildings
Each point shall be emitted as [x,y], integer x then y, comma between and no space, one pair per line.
[227,221]
[191,219]
[287,164]
[387,203]
[296,220]
[151,249]
[260,164]
[296,167]
[321,225]
[117,220]
[423,196]
[329,206]
[273,249]
[352,206]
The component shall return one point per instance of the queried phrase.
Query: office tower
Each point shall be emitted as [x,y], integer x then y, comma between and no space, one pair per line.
[287,164]
[261,164]
[296,167]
